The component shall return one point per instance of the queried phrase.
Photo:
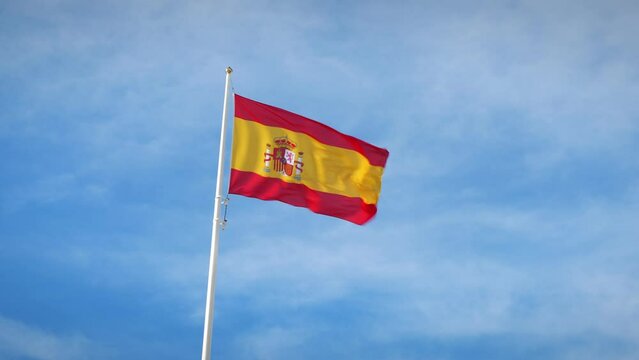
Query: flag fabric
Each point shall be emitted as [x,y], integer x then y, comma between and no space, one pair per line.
[279,155]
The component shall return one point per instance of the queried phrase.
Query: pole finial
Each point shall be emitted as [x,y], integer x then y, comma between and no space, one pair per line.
[229,70]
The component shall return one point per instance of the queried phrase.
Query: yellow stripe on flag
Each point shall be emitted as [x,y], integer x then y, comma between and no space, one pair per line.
[326,168]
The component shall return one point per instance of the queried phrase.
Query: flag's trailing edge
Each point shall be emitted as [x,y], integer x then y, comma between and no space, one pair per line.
[279,155]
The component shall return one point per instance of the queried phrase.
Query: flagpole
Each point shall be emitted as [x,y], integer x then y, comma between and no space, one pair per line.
[215,233]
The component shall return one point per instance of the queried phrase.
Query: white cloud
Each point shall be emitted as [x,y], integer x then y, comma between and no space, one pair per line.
[470,271]
[559,77]
[269,343]
[21,341]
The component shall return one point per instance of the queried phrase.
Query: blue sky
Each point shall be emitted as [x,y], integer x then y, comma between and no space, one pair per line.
[507,224]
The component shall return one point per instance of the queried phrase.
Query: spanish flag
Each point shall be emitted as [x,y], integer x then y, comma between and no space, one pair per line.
[279,155]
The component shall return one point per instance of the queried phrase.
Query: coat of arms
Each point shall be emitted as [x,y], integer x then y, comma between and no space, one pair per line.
[282,158]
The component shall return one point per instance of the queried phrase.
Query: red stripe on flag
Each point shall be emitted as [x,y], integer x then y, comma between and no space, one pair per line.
[348,208]
[268,115]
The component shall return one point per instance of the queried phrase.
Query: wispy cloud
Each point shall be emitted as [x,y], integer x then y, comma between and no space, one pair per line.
[21,341]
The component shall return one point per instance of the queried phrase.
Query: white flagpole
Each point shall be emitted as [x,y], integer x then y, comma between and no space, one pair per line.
[215,236]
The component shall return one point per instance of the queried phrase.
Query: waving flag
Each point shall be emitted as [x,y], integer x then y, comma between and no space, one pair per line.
[279,155]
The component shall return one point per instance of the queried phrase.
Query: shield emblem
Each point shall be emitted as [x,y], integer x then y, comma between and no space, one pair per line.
[284,160]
